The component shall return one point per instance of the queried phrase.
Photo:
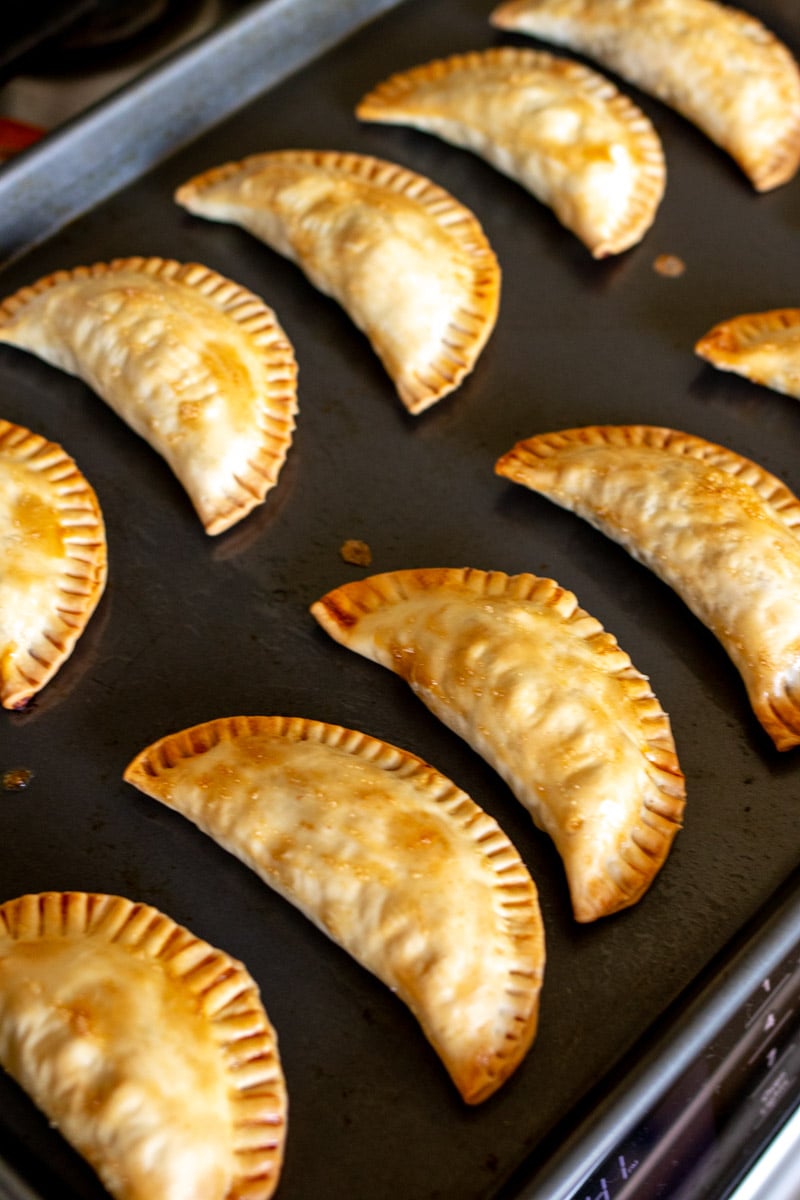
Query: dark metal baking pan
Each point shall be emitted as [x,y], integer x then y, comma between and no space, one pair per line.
[192,628]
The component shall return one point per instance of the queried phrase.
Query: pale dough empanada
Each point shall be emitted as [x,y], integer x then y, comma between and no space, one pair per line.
[147,1048]
[764,347]
[715,64]
[387,857]
[720,530]
[53,562]
[561,130]
[411,266]
[195,364]
[543,693]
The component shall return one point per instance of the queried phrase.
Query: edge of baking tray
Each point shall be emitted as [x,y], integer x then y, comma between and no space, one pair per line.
[656,1062]
[96,153]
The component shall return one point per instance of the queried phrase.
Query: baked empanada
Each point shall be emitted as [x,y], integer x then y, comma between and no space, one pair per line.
[53,561]
[561,130]
[718,66]
[147,1048]
[544,694]
[715,526]
[387,857]
[411,266]
[195,364]
[764,347]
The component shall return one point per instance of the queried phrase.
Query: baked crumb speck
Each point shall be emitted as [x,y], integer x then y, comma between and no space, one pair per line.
[669,265]
[16,779]
[356,552]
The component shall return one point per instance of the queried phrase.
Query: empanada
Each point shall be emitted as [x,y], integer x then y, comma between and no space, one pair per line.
[53,561]
[544,694]
[764,347]
[195,364]
[561,130]
[715,526]
[147,1048]
[715,64]
[411,266]
[385,855]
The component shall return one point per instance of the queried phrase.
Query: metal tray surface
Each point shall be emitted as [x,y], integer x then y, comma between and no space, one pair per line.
[193,628]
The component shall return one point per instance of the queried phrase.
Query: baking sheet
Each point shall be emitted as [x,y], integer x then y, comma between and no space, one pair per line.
[193,628]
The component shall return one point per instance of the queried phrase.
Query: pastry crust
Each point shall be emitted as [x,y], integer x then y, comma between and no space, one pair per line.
[195,364]
[148,1049]
[715,526]
[385,855]
[764,347]
[556,127]
[715,64]
[53,560]
[544,694]
[410,265]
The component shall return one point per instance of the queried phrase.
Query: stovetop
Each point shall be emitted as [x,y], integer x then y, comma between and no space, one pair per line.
[58,69]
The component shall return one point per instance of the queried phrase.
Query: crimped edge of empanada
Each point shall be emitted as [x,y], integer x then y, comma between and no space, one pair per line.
[516,907]
[380,105]
[469,332]
[646,848]
[84,573]
[764,171]
[726,344]
[535,451]
[277,405]
[225,992]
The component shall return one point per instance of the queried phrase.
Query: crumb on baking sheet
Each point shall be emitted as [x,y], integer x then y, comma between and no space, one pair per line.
[669,265]
[356,552]
[16,779]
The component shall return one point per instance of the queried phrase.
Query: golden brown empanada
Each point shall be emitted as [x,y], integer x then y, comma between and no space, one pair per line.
[387,857]
[52,560]
[190,360]
[715,526]
[536,686]
[147,1048]
[561,130]
[764,347]
[409,264]
[715,64]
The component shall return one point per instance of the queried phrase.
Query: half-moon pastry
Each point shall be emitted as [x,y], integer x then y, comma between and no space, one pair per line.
[410,265]
[53,560]
[195,364]
[763,346]
[556,127]
[385,855]
[716,527]
[718,66]
[147,1048]
[539,689]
